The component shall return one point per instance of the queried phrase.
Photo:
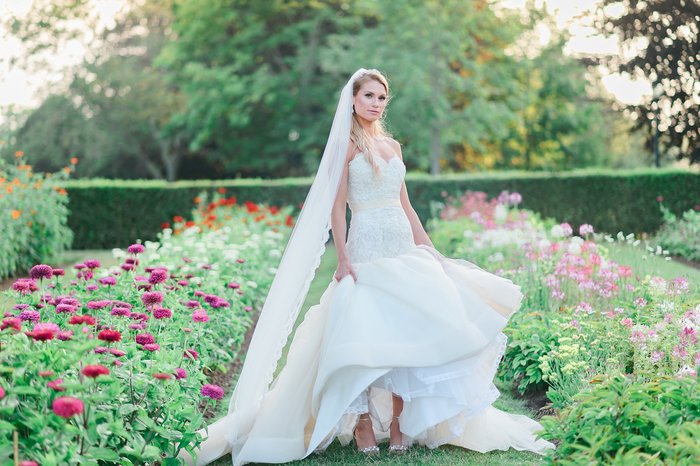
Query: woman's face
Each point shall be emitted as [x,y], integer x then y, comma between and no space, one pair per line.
[370,100]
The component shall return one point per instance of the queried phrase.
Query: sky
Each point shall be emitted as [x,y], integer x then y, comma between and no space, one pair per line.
[22,89]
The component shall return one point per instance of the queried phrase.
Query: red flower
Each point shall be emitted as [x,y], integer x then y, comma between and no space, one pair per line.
[67,406]
[82,319]
[289,221]
[162,376]
[41,334]
[178,219]
[191,354]
[145,339]
[95,371]
[13,322]
[164,225]
[109,335]
[251,206]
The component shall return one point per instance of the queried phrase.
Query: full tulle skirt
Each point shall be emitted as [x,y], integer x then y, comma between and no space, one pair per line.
[419,325]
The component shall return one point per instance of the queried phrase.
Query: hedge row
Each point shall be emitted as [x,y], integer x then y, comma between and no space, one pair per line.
[109,213]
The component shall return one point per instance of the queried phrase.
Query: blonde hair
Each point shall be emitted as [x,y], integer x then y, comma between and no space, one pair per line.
[364,139]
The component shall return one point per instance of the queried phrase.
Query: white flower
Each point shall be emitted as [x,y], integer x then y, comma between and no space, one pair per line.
[500,213]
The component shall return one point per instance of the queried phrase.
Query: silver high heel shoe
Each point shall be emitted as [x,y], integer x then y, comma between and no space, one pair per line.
[372,449]
[399,448]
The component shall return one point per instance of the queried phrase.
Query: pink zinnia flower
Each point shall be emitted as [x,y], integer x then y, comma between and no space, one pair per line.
[127,267]
[56,385]
[627,322]
[135,249]
[145,339]
[101,349]
[92,263]
[162,313]
[40,271]
[65,335]
[117,352]
[67,406]
[191,354]
[162,376]
[98,304]
[58,272]
[82,319]
[200,316]
[233,285]
[66,309]
[212,391]
[180,373]
[109,281]
[151,298]
[95,370]
[151,347]
[109,335]
[11,322]
[158,276]
[30,314]
[2,392]
[120,311]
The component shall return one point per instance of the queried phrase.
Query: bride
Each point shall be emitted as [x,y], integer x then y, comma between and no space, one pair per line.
[404,343]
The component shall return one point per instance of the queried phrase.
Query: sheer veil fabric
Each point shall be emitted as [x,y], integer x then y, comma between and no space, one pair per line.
[291,283]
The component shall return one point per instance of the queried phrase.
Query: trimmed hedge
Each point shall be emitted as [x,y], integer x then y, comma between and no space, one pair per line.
[112,213]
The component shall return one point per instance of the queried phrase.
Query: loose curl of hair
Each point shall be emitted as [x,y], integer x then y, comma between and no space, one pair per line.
[364,139]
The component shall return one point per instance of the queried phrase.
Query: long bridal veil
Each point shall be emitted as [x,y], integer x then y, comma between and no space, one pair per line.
[288,290]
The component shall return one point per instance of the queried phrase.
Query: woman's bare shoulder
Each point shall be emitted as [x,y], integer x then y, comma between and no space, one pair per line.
[395,146]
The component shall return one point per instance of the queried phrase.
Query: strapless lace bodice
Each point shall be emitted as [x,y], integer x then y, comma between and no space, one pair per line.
[379,226]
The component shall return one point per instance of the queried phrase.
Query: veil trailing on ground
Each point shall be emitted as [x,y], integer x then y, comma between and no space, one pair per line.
[294,275]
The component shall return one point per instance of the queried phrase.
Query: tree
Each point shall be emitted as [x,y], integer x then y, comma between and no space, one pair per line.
[665,34]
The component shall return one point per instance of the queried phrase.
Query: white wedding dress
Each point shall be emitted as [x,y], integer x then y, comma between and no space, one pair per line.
[415,323]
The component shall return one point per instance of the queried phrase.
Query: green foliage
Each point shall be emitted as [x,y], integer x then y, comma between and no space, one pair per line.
[622,421]
[33,217]
[108,213]
[681,237]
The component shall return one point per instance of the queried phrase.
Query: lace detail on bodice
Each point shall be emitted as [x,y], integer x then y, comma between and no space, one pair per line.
[379,226]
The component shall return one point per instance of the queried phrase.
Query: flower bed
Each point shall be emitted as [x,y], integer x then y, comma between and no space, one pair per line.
[585,319]
[111,364]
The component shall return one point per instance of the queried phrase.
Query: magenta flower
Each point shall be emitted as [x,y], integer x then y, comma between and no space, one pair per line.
[65,309]
[151,347]
[58,272]
[212,391]
[101,349]
[65,335]
[192,303]
[56,385]
[191,354]
[40,271]
[180,373]
[162,313]
[200,315]
[120,311]
[81,319]
[109,335]
[79,266]
[145,339]
[135,249]
[109,281]
[127,267]
[67,406]
[151,298]
[11,322]
[25,286]
[95,370]
[2,392]
[30,314]
[233,285]
[92,263]
[117,352]
[98,304]
[162,376]
[158,276]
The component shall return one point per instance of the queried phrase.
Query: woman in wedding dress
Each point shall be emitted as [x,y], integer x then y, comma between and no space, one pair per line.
[404,343]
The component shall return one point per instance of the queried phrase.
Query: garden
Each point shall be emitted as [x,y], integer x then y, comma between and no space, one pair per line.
[122,356]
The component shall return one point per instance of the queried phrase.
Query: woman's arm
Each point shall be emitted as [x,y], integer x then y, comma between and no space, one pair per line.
[419,234]
[339,223]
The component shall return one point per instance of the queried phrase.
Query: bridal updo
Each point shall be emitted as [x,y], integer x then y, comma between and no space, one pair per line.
[364,139]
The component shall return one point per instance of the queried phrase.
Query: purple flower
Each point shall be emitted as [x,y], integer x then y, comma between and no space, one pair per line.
[92,263]
[41,271]
[65,308]
[180,373]
[220,303]
[192,303]
[120,311]
[212,391]
[151,298]
[135,249]
[30,314]
[162,313]
[158,276]
[110,281]
[145,339]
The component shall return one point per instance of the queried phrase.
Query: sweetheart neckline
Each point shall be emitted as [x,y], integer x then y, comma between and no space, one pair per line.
[394,156]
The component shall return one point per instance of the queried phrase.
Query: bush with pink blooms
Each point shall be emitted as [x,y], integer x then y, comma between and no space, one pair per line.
[584,317]
[113,364]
